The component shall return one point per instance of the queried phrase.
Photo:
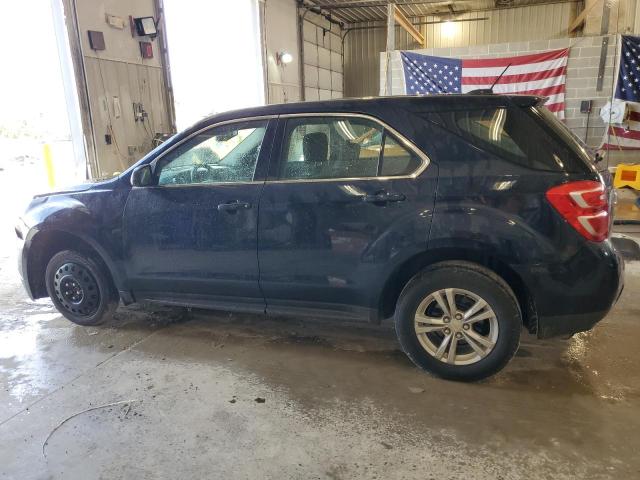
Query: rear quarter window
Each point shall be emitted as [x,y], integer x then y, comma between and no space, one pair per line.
[509,133]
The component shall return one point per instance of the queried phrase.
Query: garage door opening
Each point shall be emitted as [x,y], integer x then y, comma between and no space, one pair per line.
[216,60]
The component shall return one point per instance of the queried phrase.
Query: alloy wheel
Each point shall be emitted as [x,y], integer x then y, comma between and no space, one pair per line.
[456,326]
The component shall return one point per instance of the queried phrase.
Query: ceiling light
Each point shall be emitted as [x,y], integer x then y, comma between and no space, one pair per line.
[448,28]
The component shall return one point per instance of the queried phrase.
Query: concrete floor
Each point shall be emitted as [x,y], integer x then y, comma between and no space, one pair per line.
[339,401]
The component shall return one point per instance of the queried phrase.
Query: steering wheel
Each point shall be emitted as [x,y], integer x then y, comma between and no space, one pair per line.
[202,172]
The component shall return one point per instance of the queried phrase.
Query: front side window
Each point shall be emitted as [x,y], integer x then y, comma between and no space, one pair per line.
[226,154]
[342,147]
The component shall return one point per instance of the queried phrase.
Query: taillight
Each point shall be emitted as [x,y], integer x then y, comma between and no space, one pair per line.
[585,206]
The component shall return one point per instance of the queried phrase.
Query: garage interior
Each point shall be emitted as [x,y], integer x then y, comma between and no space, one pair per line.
[167,392]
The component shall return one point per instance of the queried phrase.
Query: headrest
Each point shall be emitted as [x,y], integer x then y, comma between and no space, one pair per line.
[315,147]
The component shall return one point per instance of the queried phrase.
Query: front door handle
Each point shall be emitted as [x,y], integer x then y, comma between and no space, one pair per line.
[384,197]
[234,206]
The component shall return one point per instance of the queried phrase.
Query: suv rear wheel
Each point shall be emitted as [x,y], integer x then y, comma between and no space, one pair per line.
[80,288]
[458,321]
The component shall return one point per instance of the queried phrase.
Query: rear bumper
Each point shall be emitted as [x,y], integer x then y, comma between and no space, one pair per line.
[568,324]
[608,293]
[574,295]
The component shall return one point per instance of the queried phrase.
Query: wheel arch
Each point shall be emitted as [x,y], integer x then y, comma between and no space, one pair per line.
[46,243]
[412,266]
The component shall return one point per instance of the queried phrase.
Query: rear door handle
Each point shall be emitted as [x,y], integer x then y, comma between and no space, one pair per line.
[233,206]
[384,197]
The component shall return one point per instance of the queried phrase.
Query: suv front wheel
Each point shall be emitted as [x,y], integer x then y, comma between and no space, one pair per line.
[80,288]
[459,321]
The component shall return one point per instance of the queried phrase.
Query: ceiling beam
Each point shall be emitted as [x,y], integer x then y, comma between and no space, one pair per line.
[583,16]
[375,10]
[372,4]
[408,26]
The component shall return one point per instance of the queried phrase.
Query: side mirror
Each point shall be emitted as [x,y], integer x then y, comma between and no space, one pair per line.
[142,176]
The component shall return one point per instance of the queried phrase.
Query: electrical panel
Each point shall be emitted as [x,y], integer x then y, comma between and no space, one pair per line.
[96,40]
[146,50]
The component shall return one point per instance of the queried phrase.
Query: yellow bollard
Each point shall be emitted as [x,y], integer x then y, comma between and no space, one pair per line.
[627,176]
[48,165]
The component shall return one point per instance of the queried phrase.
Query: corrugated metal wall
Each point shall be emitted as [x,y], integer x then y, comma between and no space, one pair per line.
[362,47]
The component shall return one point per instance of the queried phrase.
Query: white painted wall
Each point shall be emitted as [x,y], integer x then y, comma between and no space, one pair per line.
[323,69]
[281,35]
[322,54]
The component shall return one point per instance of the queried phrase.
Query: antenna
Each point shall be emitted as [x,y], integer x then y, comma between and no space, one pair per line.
[490,89]
[499,77]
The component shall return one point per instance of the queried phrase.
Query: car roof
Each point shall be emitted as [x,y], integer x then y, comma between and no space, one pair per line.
[373,106]
[424,103]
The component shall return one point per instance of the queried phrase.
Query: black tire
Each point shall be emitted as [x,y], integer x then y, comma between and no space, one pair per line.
[472,278]
[80,288]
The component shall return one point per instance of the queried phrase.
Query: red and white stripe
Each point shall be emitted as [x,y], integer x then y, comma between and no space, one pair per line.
[627,136]
[542,74]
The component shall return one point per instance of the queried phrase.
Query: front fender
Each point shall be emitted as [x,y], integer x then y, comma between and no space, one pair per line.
[91,219]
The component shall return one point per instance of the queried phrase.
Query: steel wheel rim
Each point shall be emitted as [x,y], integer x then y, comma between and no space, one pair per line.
[456,326]
[76,289]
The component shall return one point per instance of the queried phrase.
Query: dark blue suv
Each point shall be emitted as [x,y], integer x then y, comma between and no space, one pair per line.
[462,217]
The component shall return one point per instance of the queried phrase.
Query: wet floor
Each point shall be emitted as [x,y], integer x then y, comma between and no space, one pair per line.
[627,207]
[213,395]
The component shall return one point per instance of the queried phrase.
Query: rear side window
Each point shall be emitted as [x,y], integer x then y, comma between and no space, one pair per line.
[508,133]
[342,147]
[397,160]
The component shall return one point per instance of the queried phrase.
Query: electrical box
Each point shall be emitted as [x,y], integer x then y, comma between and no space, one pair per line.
[586,106]
[96,40]
[139,113]
[146,50]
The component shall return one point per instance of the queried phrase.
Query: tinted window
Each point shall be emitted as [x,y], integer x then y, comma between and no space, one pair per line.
[333,147]
[508,133]
[224,154]
[396,159]
[342,147]
[568,136]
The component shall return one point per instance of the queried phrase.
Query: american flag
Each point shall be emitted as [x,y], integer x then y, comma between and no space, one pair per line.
[627,135]
[541,74]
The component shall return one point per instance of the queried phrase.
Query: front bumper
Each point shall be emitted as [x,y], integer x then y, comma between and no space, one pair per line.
[21,257]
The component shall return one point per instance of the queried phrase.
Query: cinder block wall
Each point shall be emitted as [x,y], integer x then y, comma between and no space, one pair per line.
[582,73]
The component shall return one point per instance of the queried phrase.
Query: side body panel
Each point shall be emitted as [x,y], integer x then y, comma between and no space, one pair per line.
[323,247]
[324,250]
[196,244]
[177,242]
